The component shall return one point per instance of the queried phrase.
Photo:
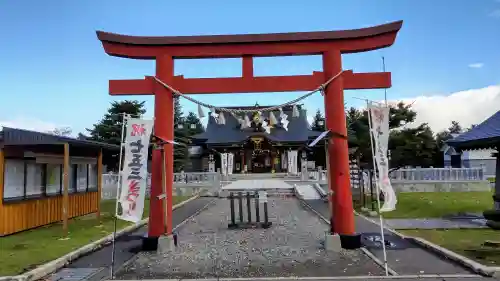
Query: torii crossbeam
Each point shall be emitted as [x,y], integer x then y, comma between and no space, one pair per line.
[330,44]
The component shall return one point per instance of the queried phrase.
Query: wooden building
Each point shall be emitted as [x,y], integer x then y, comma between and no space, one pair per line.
[33,189]
[254,150]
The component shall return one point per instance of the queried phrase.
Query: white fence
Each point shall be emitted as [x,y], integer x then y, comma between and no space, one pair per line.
[438,174]
[420,174]
[184,183]
[188,183]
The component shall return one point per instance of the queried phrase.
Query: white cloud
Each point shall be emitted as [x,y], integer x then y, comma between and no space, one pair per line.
[495,13]
[467,107]
[476,65]
[29,123]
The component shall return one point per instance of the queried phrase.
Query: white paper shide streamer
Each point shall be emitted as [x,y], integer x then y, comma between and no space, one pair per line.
[380,132]
[201,113]
[284,120]
[134,171]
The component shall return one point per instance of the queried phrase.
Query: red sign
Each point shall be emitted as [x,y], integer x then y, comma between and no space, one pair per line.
[138,130]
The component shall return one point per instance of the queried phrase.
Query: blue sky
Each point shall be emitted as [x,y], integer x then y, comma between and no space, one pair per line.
[54,71]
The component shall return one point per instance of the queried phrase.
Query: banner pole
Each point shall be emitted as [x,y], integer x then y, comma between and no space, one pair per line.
[377,189]
[118,191]
[385,89]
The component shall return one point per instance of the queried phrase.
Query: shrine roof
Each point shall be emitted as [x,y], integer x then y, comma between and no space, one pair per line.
[298,129]
[484,135]
[14,136]
[250,38]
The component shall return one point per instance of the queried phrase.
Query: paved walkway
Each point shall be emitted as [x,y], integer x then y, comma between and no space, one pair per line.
[436,223]
[361,278]
[95,266]
[257,184]
[408,258]
[307,192]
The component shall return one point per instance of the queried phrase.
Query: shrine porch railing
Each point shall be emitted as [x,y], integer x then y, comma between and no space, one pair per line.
[184,184]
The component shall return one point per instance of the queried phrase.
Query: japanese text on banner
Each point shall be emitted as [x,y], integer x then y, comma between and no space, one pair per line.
[134,171]
[380,132]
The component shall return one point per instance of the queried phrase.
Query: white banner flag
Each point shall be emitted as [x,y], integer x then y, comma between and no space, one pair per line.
[134,170]
[223,163]
[380,132]
[289,160]
[230,163]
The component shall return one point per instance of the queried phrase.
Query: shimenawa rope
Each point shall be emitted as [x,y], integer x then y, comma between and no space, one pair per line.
[321,88]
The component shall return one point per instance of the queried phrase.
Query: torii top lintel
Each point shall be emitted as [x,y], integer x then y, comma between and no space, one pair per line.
[276,44]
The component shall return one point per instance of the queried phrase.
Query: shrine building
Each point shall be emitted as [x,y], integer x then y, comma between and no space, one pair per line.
[268,143]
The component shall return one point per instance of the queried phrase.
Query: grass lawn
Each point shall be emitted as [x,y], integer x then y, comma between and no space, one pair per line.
[466,242]
[25,250]
[438,204]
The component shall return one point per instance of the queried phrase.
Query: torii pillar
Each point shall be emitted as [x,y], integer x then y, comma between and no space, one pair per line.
[330,44]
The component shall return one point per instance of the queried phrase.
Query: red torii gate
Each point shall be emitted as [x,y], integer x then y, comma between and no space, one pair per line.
[330,44]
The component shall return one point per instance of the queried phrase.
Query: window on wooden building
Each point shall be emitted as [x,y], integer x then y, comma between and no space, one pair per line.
[81,177]
[14,179]
[35,177]
[72,179]
[54,179]
[92,168]
[27,178]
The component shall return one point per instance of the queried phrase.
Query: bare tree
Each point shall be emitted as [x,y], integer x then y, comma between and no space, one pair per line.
[62,131]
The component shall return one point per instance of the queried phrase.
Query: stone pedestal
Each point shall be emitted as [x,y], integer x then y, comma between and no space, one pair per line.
[332,242]
[223,193]
[166,243]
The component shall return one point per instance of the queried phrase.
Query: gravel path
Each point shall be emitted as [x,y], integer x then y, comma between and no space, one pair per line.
[291,247]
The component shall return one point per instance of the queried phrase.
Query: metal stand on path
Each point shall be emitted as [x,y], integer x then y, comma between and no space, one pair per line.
[370,180]
[112,271]
[249,223]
